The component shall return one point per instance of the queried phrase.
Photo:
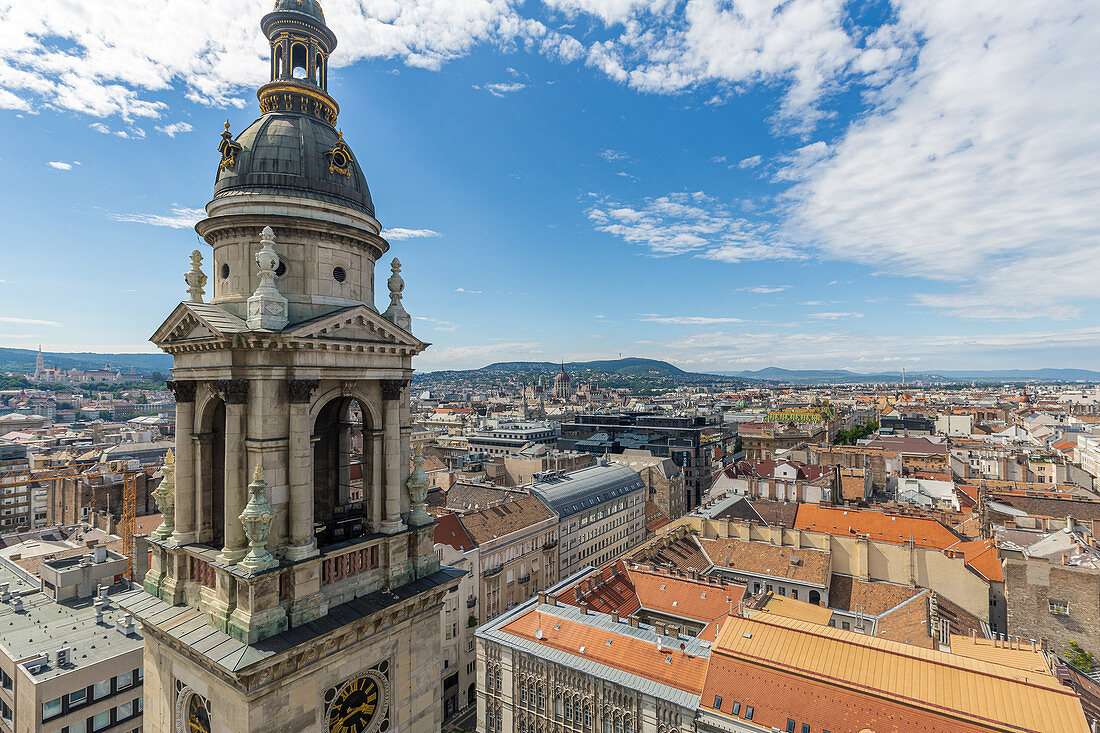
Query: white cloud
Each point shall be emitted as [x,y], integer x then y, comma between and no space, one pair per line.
[438,324]
[976,167]
[180,218]
[614,156]
[468,292]
[688,223]
[397,233]
[833,316]
[175,128]
[688,320]
[61,165]
[500,89]
[28,321]
[750,162]
[766,289]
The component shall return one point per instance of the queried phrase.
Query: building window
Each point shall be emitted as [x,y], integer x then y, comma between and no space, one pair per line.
[124,680]
[101,689]
[51,708]
[79,697]
[99,721]
[1060,608]
[748,712]
[125,710]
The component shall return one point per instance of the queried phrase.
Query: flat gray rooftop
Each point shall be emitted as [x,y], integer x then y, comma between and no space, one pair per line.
[44,626]
[578,491]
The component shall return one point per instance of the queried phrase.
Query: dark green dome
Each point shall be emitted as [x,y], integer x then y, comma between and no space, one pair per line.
[292,154]
[312,8]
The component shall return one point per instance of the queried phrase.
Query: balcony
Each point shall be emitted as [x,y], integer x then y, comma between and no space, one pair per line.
[550,545]
[491,572]
[523,579]
[471,601]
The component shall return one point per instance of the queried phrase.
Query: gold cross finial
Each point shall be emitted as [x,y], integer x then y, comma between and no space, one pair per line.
[227,125]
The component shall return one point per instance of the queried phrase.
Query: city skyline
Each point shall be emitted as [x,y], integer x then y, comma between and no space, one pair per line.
[871,187]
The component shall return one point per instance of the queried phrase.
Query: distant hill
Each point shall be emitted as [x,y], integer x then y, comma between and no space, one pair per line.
[840,376]
[22,360]
[632,366]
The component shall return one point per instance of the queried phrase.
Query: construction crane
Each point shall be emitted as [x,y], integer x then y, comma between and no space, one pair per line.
[19,477]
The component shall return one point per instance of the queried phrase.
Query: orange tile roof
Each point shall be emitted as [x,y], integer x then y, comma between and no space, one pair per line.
[844,681]
[626,589]
[684,597]
[626,653]
[982,557]
[984,650]
[881,527]
[798,610]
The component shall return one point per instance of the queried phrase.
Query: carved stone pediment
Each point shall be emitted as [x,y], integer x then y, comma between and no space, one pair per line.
[197,322]
[355,323]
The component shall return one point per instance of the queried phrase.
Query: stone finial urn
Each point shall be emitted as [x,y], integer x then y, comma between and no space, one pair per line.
[195,278]
[256,518]
[165,496]
[396,313]
[417,485]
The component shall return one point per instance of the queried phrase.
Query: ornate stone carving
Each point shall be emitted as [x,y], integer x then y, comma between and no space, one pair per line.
[183,389]
[256,518]
[267,308]
[195,278]
[391,388]
[300,391]
[232,391]
[165,496]
[417,485]
[396,313]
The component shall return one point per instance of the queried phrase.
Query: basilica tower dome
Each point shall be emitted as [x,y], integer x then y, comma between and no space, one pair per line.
[293,170]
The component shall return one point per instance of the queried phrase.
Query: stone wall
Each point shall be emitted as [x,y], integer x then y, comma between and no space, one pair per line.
[1031,586]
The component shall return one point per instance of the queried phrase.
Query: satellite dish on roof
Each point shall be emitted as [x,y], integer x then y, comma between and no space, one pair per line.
[538,634]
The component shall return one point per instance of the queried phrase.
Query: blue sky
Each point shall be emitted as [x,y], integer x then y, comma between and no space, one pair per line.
[813,184]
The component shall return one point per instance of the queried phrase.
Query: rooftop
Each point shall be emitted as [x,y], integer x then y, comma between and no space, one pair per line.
[580,490]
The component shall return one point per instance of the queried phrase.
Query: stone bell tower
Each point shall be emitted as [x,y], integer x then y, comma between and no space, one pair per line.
[293,585]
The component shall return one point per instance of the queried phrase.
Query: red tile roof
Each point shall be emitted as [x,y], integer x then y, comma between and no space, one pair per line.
[449,531]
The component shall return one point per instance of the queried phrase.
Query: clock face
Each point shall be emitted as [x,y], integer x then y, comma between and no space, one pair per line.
[355,706]
[198,716]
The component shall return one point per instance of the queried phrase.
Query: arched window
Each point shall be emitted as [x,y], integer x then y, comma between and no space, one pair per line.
[815,597]
[319,71]
[607,721]
[299,60]
[568,708]
[279,61]
[629,725]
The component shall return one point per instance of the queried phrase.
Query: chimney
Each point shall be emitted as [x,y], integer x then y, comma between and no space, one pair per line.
[99,553]
[125,624]
[615,616]
[633,621]
[552,599]
[542,597]
[584,608]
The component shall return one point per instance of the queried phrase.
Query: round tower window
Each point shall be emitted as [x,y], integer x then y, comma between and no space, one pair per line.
[225,271]
[281,269]
[339,275]
[339,159]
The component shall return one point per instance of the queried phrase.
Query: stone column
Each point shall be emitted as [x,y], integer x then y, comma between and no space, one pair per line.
[391,430]
[186,485]
[300,453]
[375,507]
[234,393]
[203,447]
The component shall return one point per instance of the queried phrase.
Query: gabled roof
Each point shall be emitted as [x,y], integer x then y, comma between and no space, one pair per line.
[357,323]
[504,519]
[197,321]
[844,681]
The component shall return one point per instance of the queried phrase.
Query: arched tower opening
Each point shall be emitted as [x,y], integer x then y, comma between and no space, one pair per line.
[210,491]
[342,477]
[299,61]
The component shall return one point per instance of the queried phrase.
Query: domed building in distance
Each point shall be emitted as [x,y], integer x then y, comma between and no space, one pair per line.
[276,599]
